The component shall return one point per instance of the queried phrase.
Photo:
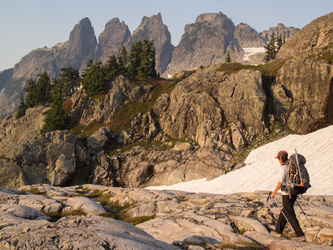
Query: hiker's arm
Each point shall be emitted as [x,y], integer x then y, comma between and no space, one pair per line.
[278,186]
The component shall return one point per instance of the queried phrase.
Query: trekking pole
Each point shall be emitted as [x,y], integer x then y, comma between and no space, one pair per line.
[269,196]
[299,169]
[308,220]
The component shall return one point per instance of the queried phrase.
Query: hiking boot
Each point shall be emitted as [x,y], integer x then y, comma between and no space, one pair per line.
[276,234]
[299,238]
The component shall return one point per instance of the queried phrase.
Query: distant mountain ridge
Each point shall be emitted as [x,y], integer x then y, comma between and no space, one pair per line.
[205,42]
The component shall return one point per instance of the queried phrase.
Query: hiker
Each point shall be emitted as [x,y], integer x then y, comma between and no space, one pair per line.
[287,213]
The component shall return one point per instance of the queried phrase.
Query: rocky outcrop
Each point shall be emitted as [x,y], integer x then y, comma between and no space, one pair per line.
[303,101]
[280,29]
[302,93]
[175,219]
[142,168]
[248,37]
[206,42]
[101,109]
[111,40]
[310,40]
[25,226]
[51,158]
[152,28]
[13,131]
[207,100]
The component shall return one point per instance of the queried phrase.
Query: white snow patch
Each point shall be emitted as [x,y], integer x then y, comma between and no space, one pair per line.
[3,90]
[252,51]
[261,170]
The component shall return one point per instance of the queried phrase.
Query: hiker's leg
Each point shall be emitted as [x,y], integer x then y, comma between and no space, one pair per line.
[288,209]
[280,224]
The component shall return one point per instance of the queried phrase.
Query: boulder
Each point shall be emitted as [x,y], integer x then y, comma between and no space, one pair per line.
[98,140]
[50,158]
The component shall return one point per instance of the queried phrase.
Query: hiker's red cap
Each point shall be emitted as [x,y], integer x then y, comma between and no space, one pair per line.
[282,153]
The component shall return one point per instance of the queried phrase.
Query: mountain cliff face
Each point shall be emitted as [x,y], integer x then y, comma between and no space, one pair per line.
[152,28]
[80,46]
[205,42]
[112,39]
[247,37]
[303,91]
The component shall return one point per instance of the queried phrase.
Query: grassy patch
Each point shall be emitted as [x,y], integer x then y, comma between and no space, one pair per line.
[137,220]
[121,120]
[245,245]
[231,68]
[33,191]
[57,216]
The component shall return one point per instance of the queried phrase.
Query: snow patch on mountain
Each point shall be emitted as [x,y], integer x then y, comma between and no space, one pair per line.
[252,51]
[261,170]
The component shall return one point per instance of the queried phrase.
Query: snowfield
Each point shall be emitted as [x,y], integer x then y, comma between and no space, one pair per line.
[252,51]
[261,170]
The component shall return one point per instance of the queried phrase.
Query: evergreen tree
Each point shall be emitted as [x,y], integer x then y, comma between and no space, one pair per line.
[142,60]
[271,50]
[21,108]
[228,58]
[55,117]
[71,79]
[43,89]
[31,90]
[279,43]
[93,81]
[134,59]
[150,53]
[123,59]
[111,69]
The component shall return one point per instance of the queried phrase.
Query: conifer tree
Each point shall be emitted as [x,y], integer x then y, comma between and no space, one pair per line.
[31,90]
[270,49]
[228,58]
[123,59]
[71,79]
[150,53]
[111,69]
[43,89]
[55,117]
[134,59]
[279,43]
[21,108]
[93,81]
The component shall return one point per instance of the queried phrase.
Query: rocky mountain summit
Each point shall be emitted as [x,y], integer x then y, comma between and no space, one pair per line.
[279,30]
[205,42]
[44,217]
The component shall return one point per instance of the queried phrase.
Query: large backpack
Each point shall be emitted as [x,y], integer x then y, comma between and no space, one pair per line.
[299,179]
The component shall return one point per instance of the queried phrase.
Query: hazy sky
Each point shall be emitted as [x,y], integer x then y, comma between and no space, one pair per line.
[30,24]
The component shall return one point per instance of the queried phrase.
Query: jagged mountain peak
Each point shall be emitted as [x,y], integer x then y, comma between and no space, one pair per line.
[153,28]
[111,40]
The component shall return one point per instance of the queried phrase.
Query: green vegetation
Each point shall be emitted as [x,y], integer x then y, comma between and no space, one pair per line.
[326,54]
[21,108]
[273,47]
[228,58]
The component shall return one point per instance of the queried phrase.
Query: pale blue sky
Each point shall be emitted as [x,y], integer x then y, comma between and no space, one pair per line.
[30,24]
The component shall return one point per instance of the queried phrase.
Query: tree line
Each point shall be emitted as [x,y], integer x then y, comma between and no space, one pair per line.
[139,63]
